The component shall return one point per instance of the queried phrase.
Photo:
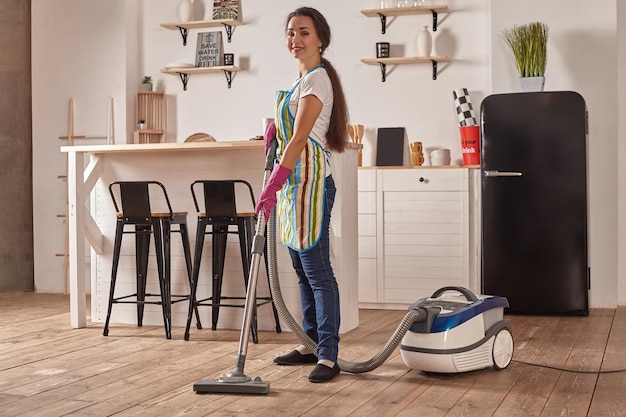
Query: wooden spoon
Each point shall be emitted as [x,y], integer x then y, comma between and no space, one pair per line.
[360,129]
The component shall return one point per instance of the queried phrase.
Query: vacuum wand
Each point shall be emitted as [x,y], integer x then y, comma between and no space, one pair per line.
[236,381]
[258,248]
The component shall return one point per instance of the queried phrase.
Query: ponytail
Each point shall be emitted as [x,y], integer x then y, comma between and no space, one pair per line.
[338,129]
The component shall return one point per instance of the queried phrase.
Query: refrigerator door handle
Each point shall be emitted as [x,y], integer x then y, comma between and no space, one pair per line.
[502,174]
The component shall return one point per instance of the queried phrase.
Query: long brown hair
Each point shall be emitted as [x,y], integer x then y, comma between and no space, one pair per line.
[338,129]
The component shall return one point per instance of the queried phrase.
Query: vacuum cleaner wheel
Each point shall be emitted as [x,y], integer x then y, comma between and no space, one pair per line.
[502,349]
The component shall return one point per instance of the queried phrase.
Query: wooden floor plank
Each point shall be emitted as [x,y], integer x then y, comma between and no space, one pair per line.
[571,395]
[608,398]
[529,394]
[47,368]
[573,392]
[441,396]
[364,386]
[485,396]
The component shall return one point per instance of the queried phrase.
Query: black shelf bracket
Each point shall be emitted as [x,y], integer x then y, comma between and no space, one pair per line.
[383,71]
[229,77]
[434,20]
[183,33]
[434,69]
[383,23]
[184,78]
[229,31]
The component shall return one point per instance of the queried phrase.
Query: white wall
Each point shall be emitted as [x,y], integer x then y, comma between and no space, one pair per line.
[101,48]
[78,51]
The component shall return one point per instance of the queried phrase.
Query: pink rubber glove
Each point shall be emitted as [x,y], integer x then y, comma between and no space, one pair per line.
[267,199]
[270,133]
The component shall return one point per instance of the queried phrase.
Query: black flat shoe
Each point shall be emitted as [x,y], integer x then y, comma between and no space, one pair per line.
[323,373]
[295,358]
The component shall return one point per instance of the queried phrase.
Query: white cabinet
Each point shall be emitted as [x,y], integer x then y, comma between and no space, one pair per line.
[417,233]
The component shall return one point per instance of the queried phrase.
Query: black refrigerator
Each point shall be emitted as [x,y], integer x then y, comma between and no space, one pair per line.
[534,201]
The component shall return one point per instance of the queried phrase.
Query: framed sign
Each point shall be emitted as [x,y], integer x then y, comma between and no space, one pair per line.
[390,145]
[226,9]
[209,49]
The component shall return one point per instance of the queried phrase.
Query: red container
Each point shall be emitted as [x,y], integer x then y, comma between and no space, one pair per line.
[470,144]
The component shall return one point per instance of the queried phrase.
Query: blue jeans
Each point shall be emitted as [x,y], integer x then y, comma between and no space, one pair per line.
[319,293]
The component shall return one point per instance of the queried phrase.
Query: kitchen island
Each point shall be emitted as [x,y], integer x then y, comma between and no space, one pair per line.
[92,218]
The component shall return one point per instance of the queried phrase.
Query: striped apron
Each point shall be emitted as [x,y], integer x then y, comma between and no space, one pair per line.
[301,199]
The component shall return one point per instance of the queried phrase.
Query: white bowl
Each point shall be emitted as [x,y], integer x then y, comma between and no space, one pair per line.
[179,65]
[441,153]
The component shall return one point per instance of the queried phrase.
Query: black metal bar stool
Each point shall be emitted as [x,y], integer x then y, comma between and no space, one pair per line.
[220,212]
[136,211]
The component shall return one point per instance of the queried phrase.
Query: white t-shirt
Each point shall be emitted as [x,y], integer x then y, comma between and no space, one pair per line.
[316,83]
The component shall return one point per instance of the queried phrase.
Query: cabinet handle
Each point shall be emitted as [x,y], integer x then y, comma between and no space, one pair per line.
[422,179]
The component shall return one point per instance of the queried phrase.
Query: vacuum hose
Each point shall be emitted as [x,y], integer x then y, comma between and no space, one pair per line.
[412,316]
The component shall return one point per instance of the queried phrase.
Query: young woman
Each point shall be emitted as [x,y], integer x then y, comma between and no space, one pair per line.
[311,121]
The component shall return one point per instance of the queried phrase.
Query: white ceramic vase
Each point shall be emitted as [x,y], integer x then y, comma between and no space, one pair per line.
[185,11]
[424,42]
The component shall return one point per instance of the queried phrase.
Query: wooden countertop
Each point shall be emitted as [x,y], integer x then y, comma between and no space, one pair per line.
[182,146]
[156,147]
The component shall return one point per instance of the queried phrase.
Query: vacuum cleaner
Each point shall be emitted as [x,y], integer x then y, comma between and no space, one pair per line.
[462,332]
[441,334]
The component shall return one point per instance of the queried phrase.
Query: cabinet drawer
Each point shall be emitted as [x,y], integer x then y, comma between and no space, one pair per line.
[436,205]
[435,179]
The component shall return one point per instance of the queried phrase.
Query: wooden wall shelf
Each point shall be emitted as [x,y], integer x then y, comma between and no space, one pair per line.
[406,11]
[383,62]
[185,73]
[184,27]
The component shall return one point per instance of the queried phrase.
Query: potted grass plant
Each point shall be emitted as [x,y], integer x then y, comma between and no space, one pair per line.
[146,83]
[528,43]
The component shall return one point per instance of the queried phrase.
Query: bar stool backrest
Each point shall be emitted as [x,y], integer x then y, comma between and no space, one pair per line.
[220,203]
[135,200]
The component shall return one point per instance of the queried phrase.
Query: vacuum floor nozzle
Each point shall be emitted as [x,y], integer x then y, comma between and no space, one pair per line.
[224,386]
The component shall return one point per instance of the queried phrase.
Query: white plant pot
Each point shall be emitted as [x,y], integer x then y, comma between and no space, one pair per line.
[532,84]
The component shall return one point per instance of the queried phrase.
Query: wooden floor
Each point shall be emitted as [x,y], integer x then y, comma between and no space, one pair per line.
[48,369]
